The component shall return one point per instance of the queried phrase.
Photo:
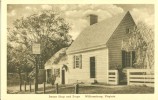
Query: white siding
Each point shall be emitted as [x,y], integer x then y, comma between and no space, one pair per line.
[83,75]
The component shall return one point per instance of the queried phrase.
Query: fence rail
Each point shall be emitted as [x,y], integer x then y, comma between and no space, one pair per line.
[140,77]
[113,77]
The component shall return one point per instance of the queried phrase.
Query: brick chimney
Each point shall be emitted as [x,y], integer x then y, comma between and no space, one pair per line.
[92,19]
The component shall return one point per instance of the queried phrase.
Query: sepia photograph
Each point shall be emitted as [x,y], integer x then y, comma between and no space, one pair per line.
[80,49]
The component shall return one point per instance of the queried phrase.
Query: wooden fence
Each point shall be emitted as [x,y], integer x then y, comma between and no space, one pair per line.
[113,77]
[140,77]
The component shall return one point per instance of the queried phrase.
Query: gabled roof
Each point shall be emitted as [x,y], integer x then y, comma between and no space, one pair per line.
[58,59]
[96,35]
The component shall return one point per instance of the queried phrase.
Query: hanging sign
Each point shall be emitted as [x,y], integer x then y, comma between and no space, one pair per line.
[36,48]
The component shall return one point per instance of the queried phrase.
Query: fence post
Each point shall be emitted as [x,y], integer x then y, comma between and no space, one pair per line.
[128,77]
[144,77]
[108,77]
[44,87]
[117,77]
[76,88]
[30,86]
[20,86]
[25,85]
[35,91]
[57,88]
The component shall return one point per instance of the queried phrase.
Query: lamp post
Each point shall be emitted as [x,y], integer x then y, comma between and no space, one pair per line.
[36,52]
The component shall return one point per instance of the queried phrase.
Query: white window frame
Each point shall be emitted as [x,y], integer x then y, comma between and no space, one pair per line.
[78,61]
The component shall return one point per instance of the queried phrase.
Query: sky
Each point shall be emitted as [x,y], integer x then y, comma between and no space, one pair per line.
[76,14]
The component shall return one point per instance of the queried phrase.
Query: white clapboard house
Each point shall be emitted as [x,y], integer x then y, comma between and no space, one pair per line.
[97,49]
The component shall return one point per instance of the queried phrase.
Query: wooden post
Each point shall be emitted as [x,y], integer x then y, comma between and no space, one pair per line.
[115,71]
[25,85]
[57,88]
[36,75]
[108,77]
[20,86]
[144,77]
[128,76]
[44,85]
[117,77]
[30,86]
[35,86]
[19,71]
[76,89]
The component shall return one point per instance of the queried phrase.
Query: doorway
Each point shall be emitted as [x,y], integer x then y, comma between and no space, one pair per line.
[92,67]
[63,77]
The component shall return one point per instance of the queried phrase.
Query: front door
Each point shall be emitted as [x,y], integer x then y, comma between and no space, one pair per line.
[92,67]
[49,75]
[128,59]
[63,77]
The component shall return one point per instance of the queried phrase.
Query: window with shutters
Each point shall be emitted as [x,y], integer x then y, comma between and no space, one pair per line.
[128,58]
[78,61]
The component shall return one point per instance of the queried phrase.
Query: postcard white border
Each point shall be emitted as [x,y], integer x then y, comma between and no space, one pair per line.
[5,96]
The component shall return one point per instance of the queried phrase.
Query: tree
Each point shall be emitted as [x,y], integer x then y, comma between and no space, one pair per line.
[142,41]
[47,28]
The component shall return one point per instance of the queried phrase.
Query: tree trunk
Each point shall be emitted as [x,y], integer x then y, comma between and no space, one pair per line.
[19,72]
[27,73]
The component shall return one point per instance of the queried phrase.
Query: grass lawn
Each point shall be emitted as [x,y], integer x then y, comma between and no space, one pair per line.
[13,87]
[95,90]
[108,90]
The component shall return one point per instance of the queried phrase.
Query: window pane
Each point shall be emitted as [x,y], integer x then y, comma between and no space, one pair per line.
[77,58]
[128,59]
[77,62]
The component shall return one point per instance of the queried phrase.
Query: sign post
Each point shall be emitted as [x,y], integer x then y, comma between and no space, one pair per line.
[36,51]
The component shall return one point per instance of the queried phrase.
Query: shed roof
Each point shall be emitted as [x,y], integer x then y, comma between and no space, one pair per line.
[96,35]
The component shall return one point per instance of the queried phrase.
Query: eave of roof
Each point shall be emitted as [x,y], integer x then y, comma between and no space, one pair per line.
[88,49]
